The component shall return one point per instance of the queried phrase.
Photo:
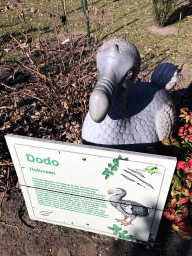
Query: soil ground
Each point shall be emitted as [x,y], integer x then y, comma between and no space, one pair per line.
[43,239]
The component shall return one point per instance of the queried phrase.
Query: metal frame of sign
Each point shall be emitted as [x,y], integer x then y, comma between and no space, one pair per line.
[112,192]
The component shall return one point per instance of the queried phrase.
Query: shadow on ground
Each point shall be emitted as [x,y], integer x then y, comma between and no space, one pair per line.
[186,10]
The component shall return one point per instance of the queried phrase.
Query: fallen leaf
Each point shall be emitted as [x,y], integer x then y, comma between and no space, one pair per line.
[183,200]
[7,49]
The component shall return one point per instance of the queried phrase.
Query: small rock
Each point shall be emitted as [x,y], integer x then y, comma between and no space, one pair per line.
[33,10]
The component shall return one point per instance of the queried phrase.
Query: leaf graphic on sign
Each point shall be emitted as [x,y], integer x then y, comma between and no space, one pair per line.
[115,228]
[113,167]
[107,171]
[121,234]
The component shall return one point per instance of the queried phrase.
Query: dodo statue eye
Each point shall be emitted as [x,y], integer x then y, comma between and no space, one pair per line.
[130,73]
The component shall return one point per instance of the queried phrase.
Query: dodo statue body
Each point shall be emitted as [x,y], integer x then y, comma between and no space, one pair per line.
[123,114]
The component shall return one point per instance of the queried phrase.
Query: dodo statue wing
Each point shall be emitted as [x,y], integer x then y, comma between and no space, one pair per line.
[165,76]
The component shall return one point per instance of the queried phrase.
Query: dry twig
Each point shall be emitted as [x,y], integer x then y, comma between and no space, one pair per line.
[4,107]
[6,164]
[2,200]
[29,96]
[13,226]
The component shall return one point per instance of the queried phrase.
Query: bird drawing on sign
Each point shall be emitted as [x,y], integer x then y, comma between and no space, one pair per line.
[130,209]
[125,114]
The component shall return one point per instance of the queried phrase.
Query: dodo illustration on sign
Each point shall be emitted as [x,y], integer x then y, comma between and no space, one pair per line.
[130,209]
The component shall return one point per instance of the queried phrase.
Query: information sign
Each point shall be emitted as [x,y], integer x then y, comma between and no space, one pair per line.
[112,192]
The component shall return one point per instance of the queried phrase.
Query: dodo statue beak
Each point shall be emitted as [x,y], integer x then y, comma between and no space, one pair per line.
[113,66]
[99,105]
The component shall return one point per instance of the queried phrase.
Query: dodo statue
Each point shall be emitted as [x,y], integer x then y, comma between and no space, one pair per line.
[125,114]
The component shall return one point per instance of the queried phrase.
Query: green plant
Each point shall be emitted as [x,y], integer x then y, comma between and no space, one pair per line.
[162,10]
[62,229]
[177,36]
[178,208]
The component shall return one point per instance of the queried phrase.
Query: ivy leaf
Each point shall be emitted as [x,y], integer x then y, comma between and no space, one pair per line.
[107,176]
[116,229]
[115,226]
[110,228]
[115,161]
[121,235]
[128,237]
[183,200]
[114,168]
[121,158]
[110,165]
[107,171]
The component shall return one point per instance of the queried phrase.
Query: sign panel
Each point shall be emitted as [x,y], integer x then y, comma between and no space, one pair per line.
[112,192]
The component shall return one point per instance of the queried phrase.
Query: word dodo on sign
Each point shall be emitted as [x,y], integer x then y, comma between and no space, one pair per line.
[31,158]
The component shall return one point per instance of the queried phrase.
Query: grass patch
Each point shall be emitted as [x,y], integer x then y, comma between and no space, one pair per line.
[108,19]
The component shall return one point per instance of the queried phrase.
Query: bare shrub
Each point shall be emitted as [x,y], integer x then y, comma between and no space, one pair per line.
[162,10]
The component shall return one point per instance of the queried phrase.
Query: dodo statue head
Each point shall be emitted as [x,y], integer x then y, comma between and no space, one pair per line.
[118,63]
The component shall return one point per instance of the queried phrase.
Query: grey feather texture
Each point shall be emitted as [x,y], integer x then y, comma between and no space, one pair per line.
[134,115]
